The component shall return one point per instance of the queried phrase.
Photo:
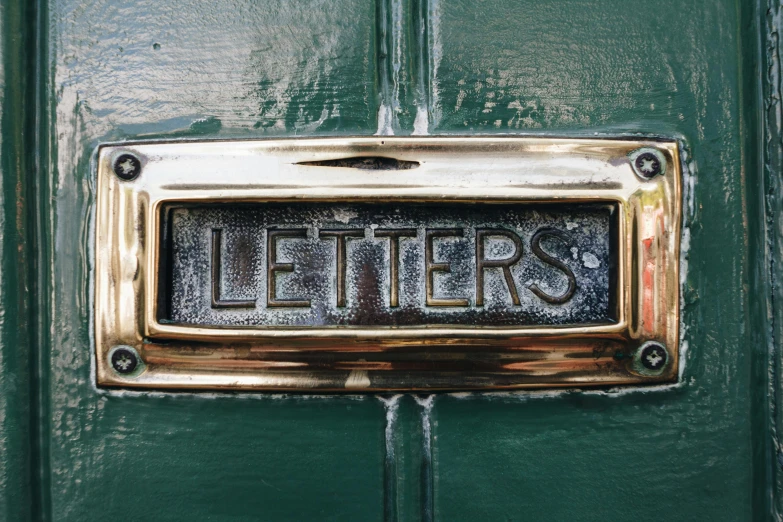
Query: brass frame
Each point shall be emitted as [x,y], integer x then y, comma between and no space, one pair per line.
[455,169]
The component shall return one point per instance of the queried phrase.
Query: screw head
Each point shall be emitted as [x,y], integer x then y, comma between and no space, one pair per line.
[127,167]
[653,357]
[647,163]
[124,360]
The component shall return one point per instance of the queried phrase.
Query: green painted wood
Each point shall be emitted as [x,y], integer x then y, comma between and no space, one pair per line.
[16,465]
[408,485]
[222,458]
[115,70]
[753,89]
[656,67]
[198,68]
[769,220]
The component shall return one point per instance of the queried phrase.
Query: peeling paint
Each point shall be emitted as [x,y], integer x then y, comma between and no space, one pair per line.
[421,123]
[384,121]
[357,379]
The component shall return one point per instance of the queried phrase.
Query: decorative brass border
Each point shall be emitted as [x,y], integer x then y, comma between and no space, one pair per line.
[455,169]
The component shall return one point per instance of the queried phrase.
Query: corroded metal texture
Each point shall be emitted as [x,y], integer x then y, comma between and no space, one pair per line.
[339,269]
[269,264]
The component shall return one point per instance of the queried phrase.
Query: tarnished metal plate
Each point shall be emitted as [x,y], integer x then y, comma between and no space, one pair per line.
[383,265]
[394,263]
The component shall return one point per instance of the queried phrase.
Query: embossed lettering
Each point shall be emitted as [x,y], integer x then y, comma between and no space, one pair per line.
[504,264]
[394,236]
[432,267]
[535,244]
[217,302]
[342,235]
[273,267]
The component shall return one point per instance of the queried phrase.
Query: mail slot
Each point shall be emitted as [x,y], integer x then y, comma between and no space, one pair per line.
[395,263]
[388,265]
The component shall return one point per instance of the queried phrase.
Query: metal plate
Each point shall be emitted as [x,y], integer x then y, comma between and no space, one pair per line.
[394,263]
[222,266]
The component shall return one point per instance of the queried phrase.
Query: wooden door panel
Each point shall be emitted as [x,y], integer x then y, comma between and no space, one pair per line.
[606,68]
[79,73]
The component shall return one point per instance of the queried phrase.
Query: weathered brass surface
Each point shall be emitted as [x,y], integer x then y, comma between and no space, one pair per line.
[135,304]
[334,265]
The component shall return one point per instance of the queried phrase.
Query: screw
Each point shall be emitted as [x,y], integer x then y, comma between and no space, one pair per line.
[647,163]
[127,167]
[124,360]
[653,356]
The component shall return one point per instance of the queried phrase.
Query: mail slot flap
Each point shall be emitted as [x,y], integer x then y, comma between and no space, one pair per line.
[394,263]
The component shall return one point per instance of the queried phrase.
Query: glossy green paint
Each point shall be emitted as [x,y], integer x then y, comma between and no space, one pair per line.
[770,271]
[16,464]
[683,453]
[116,70]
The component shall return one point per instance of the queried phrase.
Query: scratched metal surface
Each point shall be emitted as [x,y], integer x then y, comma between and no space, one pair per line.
[151,69]
[244,257]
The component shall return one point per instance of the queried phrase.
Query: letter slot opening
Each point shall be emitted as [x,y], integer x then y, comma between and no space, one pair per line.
[387,265]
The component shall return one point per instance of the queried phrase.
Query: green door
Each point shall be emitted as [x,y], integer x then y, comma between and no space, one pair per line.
[78,73]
